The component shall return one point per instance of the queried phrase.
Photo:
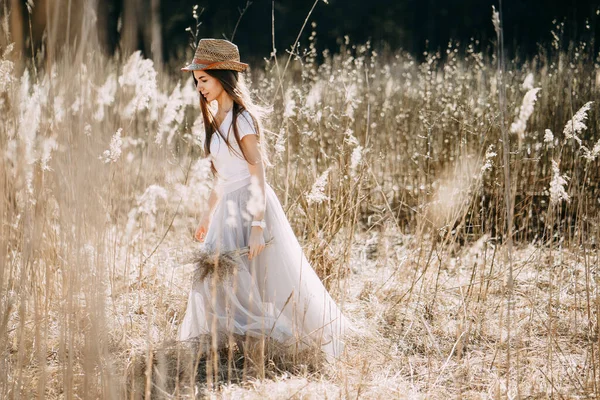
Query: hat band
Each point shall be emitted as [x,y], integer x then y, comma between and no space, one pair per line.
[203,62]
[199,64]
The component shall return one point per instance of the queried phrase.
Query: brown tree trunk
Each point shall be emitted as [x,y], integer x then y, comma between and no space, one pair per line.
[131,26]
[104,35]
[17,35]
[156,35]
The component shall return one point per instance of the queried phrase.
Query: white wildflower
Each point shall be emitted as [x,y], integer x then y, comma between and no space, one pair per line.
[131,224]
[489,155]
[30,116]
[131,142]
[157,104]
[355,159]
[139,74]
[76,106]
[496,20]
[313,99]
[596,149]
[24,89]
[528,82]
[29,119]
[280,144]
[199,186]
[520,123]
[357,153]
[591,155]
[113,154]
[47,147]
[146,205]
[557,185]
[351,101]
[350,138]
[290,105]
[147,201]
[549,138]
[87,130]
[173,113]
[44,90]
[318,116]
[105,96]
[389,88]
[198,131]
[577,124]
[189,93]
[106,93]
[59,108]
[6,68]
[317,194]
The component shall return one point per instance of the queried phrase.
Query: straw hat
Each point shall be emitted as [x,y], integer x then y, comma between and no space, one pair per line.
[216,54]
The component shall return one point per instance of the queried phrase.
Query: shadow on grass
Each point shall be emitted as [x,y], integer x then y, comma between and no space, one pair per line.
[188,368]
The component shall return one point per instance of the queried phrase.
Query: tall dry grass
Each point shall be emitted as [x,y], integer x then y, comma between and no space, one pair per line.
[390,171]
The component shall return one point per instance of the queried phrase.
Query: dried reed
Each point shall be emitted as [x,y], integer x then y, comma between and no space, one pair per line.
[222,265]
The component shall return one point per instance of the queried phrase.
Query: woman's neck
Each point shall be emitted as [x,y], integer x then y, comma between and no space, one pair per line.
[225,103]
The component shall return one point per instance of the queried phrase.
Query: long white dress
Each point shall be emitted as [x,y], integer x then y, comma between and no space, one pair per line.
[277,294]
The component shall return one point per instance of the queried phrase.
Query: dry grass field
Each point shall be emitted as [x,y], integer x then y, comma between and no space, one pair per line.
[392,173]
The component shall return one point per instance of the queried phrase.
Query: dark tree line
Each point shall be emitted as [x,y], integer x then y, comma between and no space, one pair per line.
[157,27]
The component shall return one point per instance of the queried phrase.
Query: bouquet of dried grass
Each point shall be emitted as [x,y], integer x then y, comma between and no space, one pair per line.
[221,265]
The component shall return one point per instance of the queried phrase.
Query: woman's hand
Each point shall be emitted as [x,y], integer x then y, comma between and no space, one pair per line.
[257,242]
[202,228]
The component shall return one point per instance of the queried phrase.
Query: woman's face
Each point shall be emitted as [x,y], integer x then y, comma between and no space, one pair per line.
[208,86]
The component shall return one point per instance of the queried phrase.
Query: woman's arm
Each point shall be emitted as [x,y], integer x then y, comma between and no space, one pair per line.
[256,168]
[213,198]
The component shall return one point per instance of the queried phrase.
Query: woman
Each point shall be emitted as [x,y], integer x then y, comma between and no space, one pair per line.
[274,292]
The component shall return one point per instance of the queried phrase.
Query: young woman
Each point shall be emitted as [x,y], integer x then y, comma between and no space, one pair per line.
[274,292]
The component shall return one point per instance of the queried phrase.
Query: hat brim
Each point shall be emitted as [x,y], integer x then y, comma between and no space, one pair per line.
[233,65]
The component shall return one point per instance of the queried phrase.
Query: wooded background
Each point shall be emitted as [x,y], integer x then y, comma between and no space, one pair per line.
[157,27]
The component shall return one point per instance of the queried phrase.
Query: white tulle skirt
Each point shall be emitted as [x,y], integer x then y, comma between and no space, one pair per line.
[277,294]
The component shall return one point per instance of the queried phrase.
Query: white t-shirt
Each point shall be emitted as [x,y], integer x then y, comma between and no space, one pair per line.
[230,164]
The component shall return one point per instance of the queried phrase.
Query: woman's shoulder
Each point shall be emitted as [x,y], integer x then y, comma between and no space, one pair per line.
[245,122]
[246,115]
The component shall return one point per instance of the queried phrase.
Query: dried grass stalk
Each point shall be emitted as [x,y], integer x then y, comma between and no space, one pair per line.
[221,265]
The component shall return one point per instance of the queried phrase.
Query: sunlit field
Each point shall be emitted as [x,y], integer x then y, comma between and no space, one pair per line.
[391,170]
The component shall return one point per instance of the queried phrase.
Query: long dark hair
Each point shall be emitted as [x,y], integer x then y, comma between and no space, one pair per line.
[233,83]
